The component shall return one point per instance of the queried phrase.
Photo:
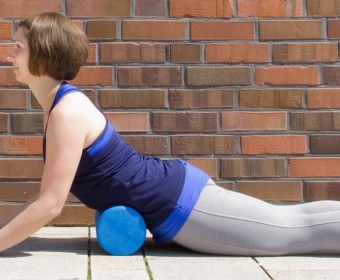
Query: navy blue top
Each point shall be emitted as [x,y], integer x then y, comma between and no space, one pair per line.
[111,173]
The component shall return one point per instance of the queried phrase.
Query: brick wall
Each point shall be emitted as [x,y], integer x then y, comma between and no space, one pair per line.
[247,90]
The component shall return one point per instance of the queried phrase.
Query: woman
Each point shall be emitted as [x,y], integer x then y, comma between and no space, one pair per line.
[85,155]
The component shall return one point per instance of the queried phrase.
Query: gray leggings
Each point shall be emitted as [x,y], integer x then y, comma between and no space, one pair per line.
[229,223]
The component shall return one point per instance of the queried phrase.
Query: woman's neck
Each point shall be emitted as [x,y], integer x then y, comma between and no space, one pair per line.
[44,89]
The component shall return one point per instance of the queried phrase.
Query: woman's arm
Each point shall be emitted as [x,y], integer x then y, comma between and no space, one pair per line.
[65,139]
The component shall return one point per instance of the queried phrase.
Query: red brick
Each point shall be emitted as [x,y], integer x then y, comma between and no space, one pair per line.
[254,121]
[290,29]
[132,98]
[333,29]
[4,119]
[149,145]
[132,53]
[252,168]
[323,98]
[7,77]
[273,144]
[201,8]
[271,98]
[185,53]
[5,30]
[154,30]
[305,52]
[200,98]
[92,58]
[95,75]
[314,167]
[206,164]
[203,145]
[99,8]
[272,190]
[184,122]
[129,122]
[315,121]
[21,145]
[150,76]
[101,30]
[150,8]
[218,76]
[331,75]
[27,123]
[13,99]
[13,168]
[269,8]
[226,185]
[237,53]
[324,8]
[324,144]
[287,75]
[322,190]
[21,9]
[222,30]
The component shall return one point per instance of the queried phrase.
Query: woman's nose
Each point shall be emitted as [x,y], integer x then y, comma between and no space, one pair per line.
[10,56]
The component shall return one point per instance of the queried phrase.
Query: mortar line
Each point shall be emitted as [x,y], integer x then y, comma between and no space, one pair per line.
[89,275]
[264,270]
[148,269]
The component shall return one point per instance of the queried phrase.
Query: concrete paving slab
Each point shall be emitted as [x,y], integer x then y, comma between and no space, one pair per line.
[107,267]
[47,255]
[171,261]
[302,267]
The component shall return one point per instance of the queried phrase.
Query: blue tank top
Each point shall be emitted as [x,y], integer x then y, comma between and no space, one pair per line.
[111,173]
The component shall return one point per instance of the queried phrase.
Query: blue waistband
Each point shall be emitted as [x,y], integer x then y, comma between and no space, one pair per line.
[195,181]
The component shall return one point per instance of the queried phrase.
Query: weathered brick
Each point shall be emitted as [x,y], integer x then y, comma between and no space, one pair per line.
[322,191]
[287,75]
[331,75]
[237,53]
[324,8]
[324,144]
[305,52]
[184,122]
[253,168]
[132,98]
[222,30]
[203,145]
[95,75]
[21,191]
[129,122]
[150,8]
[208,165]
[271,98]
[13,168]
[200,98]
[333,29]
[314,167]
[13,99]
[5,30]
[150,76]
[21,145]
[92,58]
[4,51]
[132,53]
[185,53]
[7,77]
[315,121]
[4,119]
[273,144]
[201,8]
[20,8]
[101,30]
[272,190]
[323,98]
[253,121]
[269,8]
[290,29]
[27,123]
[99,8]
[154,30]
[218,76]
[149,145]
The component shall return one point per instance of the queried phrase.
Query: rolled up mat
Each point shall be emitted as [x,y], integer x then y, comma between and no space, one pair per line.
[120,230]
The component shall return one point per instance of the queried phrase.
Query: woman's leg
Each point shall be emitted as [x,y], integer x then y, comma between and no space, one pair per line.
[229,223]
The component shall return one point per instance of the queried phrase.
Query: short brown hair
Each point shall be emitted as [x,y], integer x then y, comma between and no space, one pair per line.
[57,47]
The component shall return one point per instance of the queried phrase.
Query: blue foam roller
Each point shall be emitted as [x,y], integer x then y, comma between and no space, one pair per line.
[120,230]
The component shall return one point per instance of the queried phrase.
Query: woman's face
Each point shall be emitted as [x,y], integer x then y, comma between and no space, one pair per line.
[18,56]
